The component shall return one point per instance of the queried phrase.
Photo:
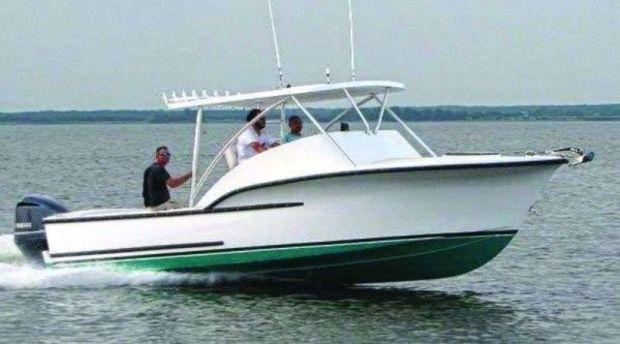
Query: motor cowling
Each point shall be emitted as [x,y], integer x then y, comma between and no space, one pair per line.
[29,232]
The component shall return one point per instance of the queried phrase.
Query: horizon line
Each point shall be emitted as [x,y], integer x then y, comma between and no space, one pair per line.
[321,107]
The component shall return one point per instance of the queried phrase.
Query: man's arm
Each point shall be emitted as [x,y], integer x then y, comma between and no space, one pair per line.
[271,141]
[174,182]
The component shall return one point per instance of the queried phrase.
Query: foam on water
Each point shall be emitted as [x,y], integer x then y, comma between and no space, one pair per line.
[16,273]
[8,251]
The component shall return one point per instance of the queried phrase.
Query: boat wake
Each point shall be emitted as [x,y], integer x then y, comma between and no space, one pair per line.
[16,273]
[8,251]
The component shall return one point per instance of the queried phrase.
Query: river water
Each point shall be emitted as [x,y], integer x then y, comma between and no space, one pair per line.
[558,280]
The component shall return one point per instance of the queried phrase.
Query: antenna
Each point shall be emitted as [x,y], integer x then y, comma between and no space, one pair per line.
[275,43]
[352,47]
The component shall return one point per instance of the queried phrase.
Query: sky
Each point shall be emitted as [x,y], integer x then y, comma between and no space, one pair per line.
[88,55]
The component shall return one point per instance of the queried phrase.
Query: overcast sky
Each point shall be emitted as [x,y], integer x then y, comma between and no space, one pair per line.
[79,54]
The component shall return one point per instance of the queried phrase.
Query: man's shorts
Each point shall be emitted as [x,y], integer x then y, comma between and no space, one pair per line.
[168,205]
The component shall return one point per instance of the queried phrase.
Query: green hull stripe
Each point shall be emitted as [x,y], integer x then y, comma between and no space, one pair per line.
[366,262]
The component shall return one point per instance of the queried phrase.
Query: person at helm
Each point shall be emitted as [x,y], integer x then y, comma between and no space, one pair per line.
[254,140]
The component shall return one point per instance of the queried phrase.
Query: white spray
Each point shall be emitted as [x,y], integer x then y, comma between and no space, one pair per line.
[16,273]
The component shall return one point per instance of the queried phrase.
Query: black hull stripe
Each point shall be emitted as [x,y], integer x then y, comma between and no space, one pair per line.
[321,243]
[179,213]
[140,249]
[558,161]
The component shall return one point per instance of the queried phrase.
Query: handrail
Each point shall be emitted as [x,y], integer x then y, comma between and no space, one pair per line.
[413,134]
[316,123]
[219,155]
[357,109]
[346,111]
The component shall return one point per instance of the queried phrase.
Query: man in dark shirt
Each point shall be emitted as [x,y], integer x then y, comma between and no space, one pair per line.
[157,180]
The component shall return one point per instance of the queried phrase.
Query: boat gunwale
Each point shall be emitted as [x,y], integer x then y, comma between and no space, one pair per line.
[552,160]
[180,212]
[211,208]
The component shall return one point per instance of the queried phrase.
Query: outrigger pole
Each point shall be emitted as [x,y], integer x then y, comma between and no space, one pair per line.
[279,63]
[352,47]
[275,44]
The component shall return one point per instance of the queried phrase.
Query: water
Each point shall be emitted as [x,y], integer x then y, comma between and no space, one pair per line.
[558,280]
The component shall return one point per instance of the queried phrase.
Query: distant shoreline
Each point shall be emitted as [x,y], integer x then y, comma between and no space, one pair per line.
[604,112]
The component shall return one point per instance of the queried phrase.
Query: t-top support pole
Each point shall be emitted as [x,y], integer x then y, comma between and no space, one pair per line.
[346,111]
[282,122]
[232,140]
[325,133]
[406,127]
[357,109]
[382,112]
[195,153]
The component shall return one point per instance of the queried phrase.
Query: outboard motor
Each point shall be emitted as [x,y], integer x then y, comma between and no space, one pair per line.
[29,234]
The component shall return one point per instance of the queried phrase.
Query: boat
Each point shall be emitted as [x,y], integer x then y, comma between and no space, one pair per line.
[339,207]
[345,207]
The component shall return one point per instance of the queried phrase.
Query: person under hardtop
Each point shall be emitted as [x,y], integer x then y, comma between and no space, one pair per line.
[254,140]
[295,124]
[156,182]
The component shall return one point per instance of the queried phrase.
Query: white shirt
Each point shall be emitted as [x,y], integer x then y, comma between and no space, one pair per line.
[244,141]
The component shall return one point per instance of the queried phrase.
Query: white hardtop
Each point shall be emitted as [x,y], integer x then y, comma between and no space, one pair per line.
[305,94]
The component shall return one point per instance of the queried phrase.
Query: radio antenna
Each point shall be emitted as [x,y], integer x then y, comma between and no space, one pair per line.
[275,43]
[352,46]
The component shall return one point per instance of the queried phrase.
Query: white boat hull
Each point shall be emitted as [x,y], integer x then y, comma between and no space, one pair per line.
[384,206]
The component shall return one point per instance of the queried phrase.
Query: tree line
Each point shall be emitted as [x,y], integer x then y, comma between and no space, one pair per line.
[605,112]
